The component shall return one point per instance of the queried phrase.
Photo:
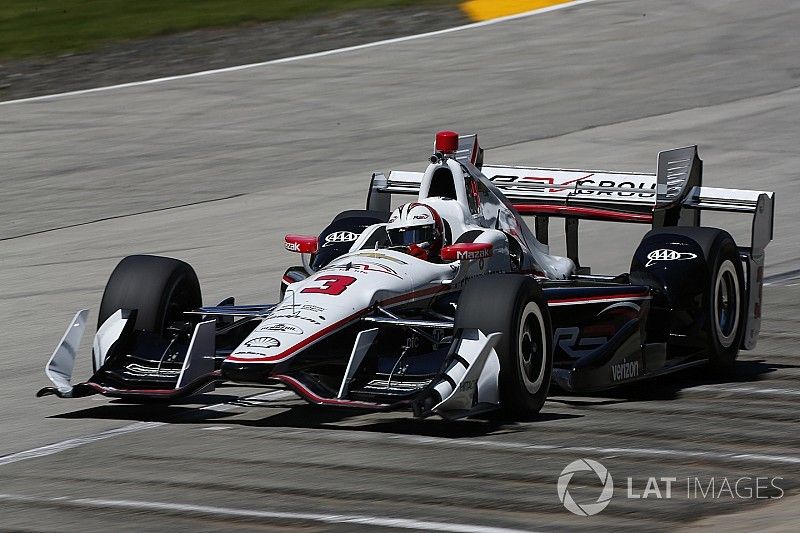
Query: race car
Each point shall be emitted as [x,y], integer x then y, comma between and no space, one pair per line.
[450,304]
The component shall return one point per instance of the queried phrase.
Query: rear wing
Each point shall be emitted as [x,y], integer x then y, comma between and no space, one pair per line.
[601,195]
[672,196]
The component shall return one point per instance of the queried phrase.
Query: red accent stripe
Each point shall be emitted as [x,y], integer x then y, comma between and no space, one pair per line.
[212,376]
[329,329]
[593,213]
[309,395]
[300,345]
[288,280]
[414,295]
[105,390]
[637,296]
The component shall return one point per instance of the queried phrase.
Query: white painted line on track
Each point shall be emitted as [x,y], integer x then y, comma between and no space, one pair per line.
[630,452]
[58,447]
[301,57]
[206,510]
[69,444]
[745,390]
[496,445]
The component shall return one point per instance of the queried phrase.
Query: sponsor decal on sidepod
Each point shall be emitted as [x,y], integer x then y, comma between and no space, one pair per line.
[625,370]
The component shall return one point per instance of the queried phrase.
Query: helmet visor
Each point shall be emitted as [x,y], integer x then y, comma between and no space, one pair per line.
[412,235]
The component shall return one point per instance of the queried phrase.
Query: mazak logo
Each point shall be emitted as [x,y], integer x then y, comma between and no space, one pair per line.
[665,254]
[292,246]
[340,236]
[474,254]
[585,465]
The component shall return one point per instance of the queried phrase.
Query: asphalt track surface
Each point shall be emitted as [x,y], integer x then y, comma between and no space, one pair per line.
[215,169]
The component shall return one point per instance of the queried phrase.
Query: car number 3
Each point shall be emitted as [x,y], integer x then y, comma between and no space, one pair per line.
[332,284]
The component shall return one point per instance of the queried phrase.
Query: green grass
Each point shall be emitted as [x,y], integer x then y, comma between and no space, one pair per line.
[51,27]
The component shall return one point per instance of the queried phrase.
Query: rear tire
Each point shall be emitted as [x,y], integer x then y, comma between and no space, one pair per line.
[514,306]
[703,299]
[159,288]
[725,304]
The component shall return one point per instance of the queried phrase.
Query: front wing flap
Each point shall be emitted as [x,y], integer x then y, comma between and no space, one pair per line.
[196,375]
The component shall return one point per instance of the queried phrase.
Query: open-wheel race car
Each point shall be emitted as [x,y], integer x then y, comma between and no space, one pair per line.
[451,304]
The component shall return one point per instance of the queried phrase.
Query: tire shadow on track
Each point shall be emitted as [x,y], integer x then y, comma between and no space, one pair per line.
[295,415]
[312,417]
[669,386]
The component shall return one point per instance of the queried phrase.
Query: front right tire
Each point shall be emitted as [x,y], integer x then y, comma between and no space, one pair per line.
[514,306]
[159,288]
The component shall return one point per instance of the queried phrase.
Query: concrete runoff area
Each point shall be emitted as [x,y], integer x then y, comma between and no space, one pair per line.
[214,170]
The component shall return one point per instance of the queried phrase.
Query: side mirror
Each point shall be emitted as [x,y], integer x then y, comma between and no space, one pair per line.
[303,244]
[467,250]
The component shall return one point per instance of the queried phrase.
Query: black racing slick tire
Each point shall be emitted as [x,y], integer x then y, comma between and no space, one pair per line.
[514,306]
[700,277]
[725,304]
[159,288]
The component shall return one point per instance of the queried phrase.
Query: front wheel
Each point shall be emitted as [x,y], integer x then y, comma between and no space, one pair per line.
[159,288]
[514,306]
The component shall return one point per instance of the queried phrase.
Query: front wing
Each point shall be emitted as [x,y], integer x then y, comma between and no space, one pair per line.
[467,385]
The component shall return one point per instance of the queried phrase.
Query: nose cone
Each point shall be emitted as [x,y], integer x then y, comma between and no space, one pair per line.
[246,372]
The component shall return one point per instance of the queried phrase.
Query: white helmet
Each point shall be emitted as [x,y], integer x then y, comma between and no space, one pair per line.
[419,228]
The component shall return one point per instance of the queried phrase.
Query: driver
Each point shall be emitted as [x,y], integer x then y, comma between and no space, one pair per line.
[418,229]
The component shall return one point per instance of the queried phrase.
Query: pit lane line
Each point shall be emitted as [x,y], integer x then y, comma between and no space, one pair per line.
[206,510]
[69,444]
[292,59]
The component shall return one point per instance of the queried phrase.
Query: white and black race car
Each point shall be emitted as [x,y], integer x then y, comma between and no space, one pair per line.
[451,304]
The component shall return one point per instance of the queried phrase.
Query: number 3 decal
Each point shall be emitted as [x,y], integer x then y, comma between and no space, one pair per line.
[331,284]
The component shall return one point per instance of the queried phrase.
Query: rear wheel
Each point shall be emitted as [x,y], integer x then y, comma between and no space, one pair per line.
[515,307]
[159,288]
[699,275]
[725,304]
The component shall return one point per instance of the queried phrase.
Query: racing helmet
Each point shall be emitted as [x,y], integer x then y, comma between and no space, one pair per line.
[418,228]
